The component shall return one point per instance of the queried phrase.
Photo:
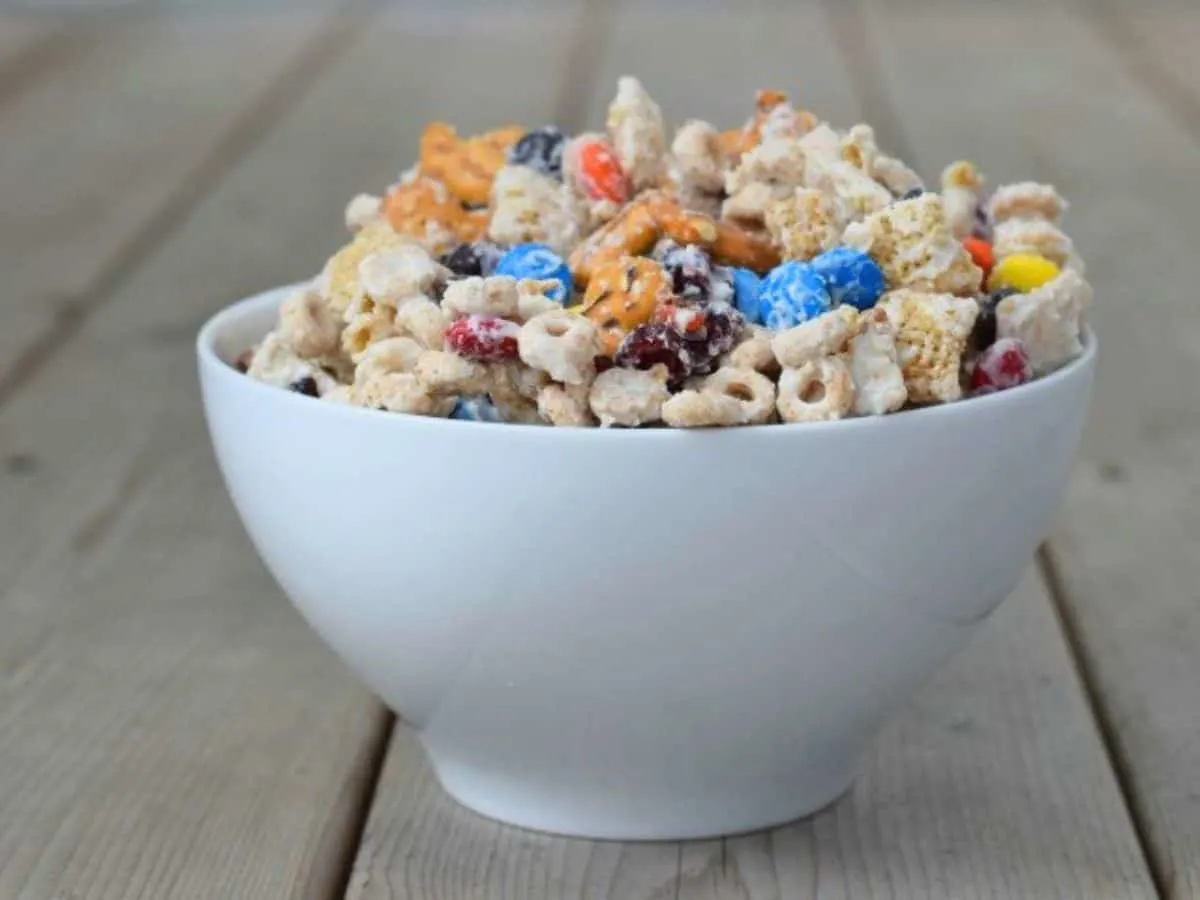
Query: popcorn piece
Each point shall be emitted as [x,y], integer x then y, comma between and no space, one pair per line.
[821,144]
[528,207]
[343,394]
[708,405]
[421,318]
[1037,236]
[961,184]
[496,295]
[771,171]
[565,406]
[1048,320]
[817,391]
[388,275]
[532,299]
[629,397]
[363,210]
[699,156]
[274,362]
[514,390]
[635,124]
[875,369]
[338,283]
[858,147]
[804,224]
[826,335]
[913,245]
[931,336]
[444,374]
[366,328]
[755,352]
[399,392]
[1026,200]
[854,193]
[562,345]
[308,326]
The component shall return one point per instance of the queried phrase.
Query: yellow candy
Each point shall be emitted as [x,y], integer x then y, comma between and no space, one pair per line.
[1022,272]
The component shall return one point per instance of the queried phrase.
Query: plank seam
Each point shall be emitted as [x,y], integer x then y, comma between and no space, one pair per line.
[248,130]
[1118,760]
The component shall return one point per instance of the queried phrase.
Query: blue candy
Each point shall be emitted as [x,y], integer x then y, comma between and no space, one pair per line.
[851,276]
[539,262]
[476,409]
[790,294]
[745,295]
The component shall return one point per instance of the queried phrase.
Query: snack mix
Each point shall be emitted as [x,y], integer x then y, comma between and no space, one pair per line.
[783,271]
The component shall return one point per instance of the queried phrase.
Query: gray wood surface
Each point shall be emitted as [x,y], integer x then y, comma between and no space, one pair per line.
[1127,567]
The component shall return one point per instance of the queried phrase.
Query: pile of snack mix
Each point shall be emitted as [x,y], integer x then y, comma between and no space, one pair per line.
[783,271]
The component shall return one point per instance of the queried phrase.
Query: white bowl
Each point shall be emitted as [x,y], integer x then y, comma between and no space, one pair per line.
[640,634]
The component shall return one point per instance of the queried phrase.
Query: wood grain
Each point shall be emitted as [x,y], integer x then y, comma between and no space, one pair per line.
[1079,117]
[169,727]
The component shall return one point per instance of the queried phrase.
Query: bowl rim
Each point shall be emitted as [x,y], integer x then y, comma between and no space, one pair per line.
[214,365]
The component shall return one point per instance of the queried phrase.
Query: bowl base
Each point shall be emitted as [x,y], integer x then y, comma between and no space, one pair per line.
[606,815]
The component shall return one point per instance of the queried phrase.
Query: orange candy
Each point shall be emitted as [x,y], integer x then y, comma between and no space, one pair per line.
[981,253]
[600,172]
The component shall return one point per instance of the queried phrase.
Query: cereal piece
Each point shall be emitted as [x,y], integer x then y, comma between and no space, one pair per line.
[483,338]
[541,150]
[961,184]
[387,276]
[792,293]
[533,298]
[342,393]
[1026,200]
[366,328]
[855,194]
[466,166]
[635,124]
[851,276]
[631,233]
[1048,320]
[514,381]
[446,374]
[1022,272]
[931,336]
[1001,366]
[859,148]
[826,335]
[875,368]
[622,295]
[426,212]
[629,397]
[363,210]
[537,262]
[397,354]
[276,363]
[804,224]
[308,326]
[771,171]
[566,406]
[423,319]
[1036,236]
[699,156]
[754,392]
[528,207]
[755,352]
[702,409]
[494,296]
[818,391]
[338,282]
[399,392]
[562,345]
[913,245]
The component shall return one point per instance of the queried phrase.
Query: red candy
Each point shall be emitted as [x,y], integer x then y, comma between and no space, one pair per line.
[483,338]
[1001,366]
[981,253]
[599,172]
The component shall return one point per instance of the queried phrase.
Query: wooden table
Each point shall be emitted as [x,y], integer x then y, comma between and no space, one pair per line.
[169,728]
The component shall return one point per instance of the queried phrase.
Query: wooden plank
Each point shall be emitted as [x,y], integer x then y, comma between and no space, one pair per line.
[169,726]
[110,145]
[992,783]
[1073,114]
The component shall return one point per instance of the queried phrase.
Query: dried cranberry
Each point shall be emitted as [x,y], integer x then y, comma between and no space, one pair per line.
[649,345]
[483,338]
[1001,366]
[467,260]
[306,385]
[984,333]
[603,363]
[722,325]
[690,269]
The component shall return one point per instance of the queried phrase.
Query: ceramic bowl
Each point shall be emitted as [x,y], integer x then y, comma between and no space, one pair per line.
[640,634]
